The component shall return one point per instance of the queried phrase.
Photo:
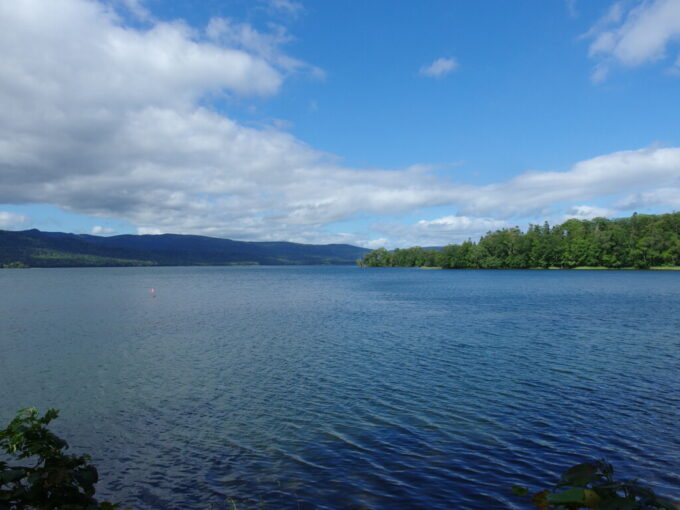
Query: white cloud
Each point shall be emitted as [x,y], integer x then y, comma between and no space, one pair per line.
[440,67]
[440,231]
[634,36]
[602,176]
[266,45]
[374,244]
[588,212]
[107,64]
[13,221]
[142,231]
[136,7]
[100,230]
[668,198]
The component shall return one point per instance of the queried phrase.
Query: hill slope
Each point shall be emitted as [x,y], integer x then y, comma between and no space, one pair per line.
[56,249]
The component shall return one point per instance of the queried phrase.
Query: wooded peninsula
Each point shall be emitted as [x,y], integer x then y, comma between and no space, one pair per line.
[642,241]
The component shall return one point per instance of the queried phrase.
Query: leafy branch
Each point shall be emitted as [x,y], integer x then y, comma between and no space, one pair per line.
[51,479]
[592,485]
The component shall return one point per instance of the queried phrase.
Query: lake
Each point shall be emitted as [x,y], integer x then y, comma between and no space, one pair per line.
[341,387]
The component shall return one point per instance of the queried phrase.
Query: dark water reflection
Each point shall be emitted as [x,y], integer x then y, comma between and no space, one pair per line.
[346,388]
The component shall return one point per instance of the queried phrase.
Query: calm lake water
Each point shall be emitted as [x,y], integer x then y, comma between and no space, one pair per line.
[341,387]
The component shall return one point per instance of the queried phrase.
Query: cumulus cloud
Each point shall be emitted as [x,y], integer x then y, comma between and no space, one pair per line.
[440,67]
[632,36]
[111,121]
[13,221]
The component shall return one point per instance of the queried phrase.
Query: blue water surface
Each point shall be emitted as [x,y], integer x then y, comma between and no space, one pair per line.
[341,387]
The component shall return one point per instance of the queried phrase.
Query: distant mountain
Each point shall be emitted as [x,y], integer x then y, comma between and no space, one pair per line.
[34,248]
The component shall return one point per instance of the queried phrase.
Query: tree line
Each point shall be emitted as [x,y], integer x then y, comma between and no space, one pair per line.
[640,241]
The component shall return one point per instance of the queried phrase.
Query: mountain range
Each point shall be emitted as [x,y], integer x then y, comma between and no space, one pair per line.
[34,248]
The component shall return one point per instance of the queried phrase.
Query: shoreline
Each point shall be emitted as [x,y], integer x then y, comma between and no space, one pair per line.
[578,268]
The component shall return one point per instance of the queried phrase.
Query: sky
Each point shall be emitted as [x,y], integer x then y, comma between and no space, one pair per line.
[380,123]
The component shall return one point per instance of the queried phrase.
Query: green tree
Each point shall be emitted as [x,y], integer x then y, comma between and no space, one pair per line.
[52,480]
[378,258]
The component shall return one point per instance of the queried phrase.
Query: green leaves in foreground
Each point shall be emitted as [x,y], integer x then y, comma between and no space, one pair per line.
[51,479]
[592,485]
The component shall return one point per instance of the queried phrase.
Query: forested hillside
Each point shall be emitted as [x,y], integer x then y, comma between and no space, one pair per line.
[33,248]
[641,241]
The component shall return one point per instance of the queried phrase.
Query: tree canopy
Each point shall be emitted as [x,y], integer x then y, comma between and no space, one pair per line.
[640,241]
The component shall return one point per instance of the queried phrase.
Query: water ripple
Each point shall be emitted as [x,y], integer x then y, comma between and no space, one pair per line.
[326,388]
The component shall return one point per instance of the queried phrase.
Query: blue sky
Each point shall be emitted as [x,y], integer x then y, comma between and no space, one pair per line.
[373,123]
